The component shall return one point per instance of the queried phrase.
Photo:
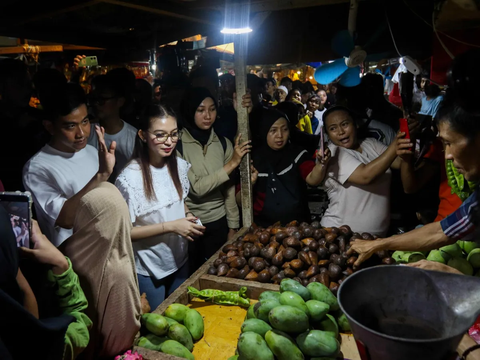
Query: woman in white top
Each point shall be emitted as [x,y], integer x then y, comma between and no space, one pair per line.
[358,175]
[155,185]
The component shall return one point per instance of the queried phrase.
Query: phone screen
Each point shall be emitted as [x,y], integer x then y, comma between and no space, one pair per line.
[18,209]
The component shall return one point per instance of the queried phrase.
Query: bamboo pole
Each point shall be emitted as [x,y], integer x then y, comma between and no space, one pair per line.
[240,43]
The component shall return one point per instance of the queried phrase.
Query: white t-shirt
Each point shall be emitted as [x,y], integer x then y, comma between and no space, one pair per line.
[125,140]
[380,131]
[365,208]
[53,177]
[161,255]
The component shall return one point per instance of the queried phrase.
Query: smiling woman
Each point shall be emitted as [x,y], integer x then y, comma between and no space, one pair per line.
[155,186]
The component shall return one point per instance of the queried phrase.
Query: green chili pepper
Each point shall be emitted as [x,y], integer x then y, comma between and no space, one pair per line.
[463,189]
[222,297]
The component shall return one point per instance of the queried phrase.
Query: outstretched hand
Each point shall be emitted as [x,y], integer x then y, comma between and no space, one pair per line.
[404,147]
[325,157]
[364,248]
[106,156]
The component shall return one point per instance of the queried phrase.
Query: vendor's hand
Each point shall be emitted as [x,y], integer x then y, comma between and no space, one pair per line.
[434,266]
[325,157]
[106,156]
[365,249]
[404,147]
[77,60]
[254,175]
[187,227]
[246,101]
[231,234]
[240,150]
[45,252]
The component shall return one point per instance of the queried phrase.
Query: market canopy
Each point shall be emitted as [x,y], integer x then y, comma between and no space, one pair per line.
[284,30]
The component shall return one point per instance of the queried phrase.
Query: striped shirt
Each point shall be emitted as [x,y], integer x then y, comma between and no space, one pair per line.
[459,225]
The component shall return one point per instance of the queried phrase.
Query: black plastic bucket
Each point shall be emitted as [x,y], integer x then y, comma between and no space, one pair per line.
[404,313]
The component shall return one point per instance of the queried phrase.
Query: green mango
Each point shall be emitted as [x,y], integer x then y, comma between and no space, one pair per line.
[318,343]
[256,325]
[251,312]
[176,312]
[321,293]
[452,250]
[234,357]
[474,258]
[436,255]
[296,287]
[194,323]
[293,299]
[180,333]
[151,341]
[173,347]
[411,257]
[282,346]
[251,346]
[262,309]
[329,325]
[461,264]
[269,295]
[289,319]
[155,323]
[171,321]
[469,246]
[342,321]
[317,309]
[398,256]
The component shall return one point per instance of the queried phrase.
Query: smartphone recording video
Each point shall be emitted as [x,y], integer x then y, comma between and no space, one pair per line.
[18,206]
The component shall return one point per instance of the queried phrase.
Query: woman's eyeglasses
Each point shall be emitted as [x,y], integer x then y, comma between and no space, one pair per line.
[163,137]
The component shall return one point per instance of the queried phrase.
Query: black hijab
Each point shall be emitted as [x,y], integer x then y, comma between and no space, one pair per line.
[191,101]
[265,158]
[46,337]
[308,141]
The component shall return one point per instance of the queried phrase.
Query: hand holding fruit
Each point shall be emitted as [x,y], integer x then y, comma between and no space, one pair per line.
[365,249]
[187,227]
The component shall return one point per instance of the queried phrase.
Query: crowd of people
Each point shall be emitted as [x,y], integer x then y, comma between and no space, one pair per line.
[136,185]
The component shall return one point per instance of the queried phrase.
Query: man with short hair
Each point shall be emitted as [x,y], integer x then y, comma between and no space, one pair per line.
[107,101]
[287,82]
[67,179]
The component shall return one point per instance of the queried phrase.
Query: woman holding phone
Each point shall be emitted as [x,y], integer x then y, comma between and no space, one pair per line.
[155,185]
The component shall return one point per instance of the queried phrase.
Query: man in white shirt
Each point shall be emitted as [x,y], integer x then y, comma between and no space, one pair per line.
[107,100]
[87,218]
[67,168]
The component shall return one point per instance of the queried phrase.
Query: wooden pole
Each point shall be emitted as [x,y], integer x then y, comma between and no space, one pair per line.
[240,43]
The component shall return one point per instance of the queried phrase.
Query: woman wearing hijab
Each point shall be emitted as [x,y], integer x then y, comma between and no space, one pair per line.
[281,172]
[213,159]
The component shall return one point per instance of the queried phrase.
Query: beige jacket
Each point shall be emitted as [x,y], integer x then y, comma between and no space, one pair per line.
[212,193]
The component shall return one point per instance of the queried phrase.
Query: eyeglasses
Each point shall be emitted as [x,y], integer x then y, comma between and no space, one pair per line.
[162,137]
